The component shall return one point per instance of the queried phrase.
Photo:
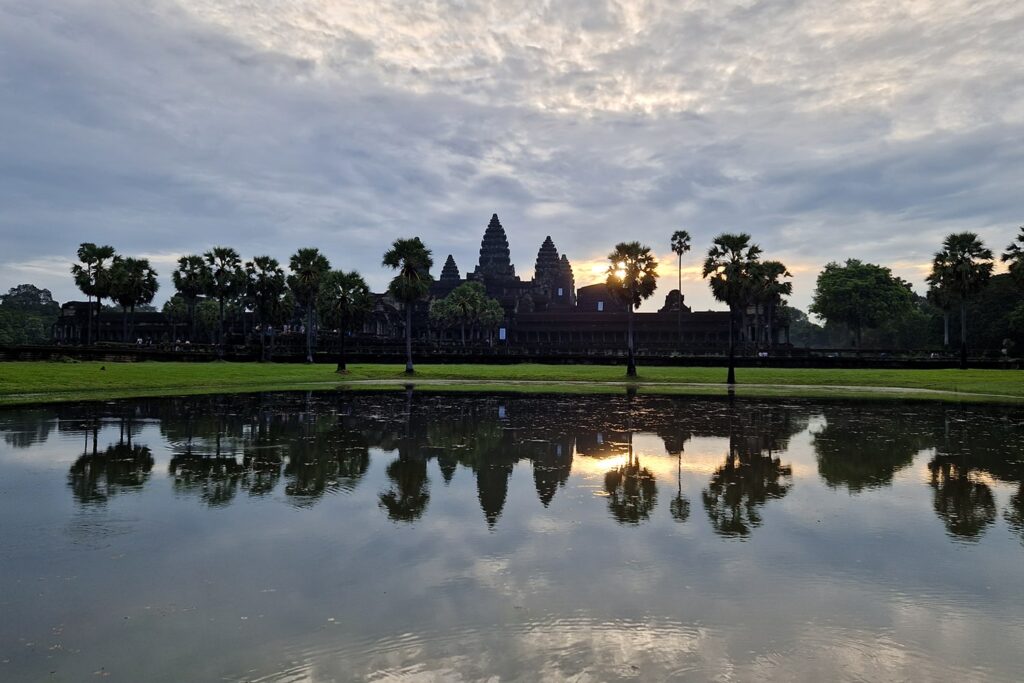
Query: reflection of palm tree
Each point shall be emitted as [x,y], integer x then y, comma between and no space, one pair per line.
[214,478]
[965,505]
[740,487]
[680,505]
[409,494]
[1014,513]
[95,477]
[749,478]
[632,491]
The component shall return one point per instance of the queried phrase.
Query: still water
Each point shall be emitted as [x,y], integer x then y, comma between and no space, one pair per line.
[410,536]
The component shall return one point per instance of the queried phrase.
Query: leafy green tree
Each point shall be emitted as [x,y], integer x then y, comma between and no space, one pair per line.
[729,268]
[491,316]
[680,246]
[191,280]
[264,287]
[92,277]
[176,312]
[963,268]
[30,298]
[443,314]
[345,300]
[27,315]
[1014,255]
[133,283]
[308,268]
[226,281]
[467,306]
[860,295]
[413,261]
[632,277]
[768,290]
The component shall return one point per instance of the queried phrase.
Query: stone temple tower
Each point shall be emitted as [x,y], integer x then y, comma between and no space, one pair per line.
[567,280]
[495,259]
[545,272]
[553,284]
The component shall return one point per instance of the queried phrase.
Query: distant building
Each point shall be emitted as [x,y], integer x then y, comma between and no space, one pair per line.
[544,314]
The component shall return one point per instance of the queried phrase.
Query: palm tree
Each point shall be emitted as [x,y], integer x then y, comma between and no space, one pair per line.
[680,245]
[1014,255]
[308,268]
[345,299]
[265,286]
[192,280]
[226,281]
[728,267]
[92,277]
[963,267]
[412,260]
[632,277]
[133,283]
[769,289]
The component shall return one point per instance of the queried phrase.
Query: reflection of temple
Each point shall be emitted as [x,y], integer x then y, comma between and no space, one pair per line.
[307,446]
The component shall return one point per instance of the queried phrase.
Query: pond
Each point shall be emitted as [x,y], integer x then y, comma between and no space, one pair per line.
[431,536]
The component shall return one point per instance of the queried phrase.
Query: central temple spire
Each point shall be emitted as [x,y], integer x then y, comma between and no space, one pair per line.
[495,258]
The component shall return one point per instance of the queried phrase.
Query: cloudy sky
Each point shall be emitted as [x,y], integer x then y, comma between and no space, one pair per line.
[826,129]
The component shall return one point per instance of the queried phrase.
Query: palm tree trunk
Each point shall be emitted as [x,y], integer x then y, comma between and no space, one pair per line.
[679,309]
[131,322]
[309,334]
[757,326]
[341,349]
[263,340]
[963,334]
[124,324]
[220,328]
[88,319]
[945,329]
[731,375]
[630,359]
[770,330]
[408,339]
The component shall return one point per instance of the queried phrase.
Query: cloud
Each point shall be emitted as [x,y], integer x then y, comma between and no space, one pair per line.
[828,130]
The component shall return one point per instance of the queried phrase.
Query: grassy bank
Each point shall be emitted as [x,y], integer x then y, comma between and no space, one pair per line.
[43,382]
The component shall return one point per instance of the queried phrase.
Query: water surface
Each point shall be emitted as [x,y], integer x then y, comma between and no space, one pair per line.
[323,537]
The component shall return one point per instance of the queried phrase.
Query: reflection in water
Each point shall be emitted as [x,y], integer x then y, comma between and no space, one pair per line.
[965,505]
[1015,513]
[862,448]
[492,583]
[751,474]
[311,445]
[409,494]
[123,467]
[680,505]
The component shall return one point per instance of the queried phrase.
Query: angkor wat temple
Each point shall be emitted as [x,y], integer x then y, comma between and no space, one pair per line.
[549,313]
[545,314]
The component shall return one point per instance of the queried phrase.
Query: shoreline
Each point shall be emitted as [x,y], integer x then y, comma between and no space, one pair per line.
[42,382]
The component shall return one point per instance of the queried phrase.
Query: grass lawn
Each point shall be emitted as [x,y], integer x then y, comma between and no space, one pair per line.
[42,382]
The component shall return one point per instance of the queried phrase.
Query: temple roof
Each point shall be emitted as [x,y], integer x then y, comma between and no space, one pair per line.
[450,272]
[548,264]
[495,260]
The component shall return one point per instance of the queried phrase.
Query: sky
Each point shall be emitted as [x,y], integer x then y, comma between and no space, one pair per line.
[827,130]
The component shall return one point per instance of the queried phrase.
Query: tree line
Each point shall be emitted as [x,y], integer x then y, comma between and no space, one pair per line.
[857,295]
